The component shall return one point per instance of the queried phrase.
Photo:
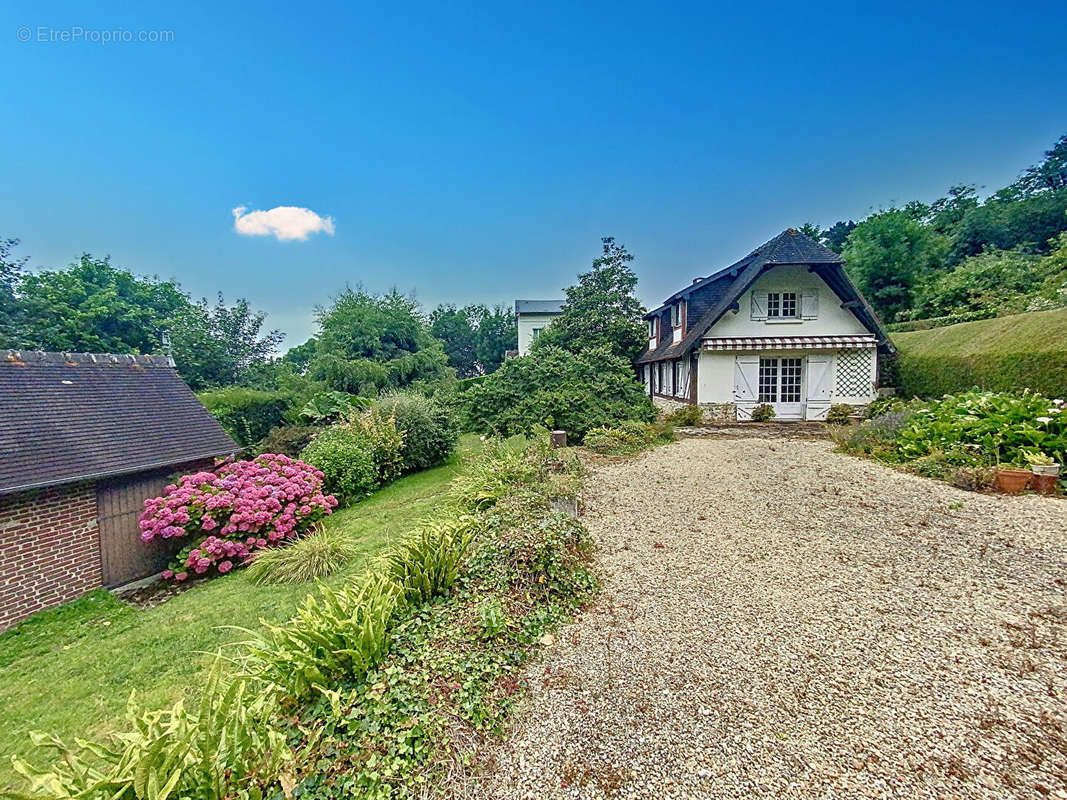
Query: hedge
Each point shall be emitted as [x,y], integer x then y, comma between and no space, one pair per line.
[246,414]
[1005,354]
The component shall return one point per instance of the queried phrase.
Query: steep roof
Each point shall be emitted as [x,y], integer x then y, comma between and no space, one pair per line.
[789,247]
[538,306]
[73,416]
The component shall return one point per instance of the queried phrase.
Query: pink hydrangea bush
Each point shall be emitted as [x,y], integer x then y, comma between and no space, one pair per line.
[243,507]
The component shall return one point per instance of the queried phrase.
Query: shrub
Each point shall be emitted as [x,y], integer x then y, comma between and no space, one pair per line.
[629,436]
[689,414]
[839,414]
[428,427]
[974,479]
[876,436]
[317,555]
[245,506]
[345,456]
[288,440]
[764,412]
[559,389]
[330,406]
[246,414]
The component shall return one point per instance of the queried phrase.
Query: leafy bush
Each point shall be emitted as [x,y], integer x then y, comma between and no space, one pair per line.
[245,506]
[839,414]
[428,427]
[246,414]
[330,406]
[689,414]
[288,440]
[764,412]
[974,479]
[345,456]
[559,389]
[629,436]
[317,555]
[876,436]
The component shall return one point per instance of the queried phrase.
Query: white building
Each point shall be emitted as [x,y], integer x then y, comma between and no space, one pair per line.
[784,326]
[533,316]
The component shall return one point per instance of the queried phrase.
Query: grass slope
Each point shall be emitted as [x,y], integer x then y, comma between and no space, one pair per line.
[1001,354]
[70,670]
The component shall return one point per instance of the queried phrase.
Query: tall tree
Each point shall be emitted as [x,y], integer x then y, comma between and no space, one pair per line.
[888,254]
[835,236]
[367,343]
[476,337]
[11,323]
[497,333]
[602,309]
[1048,176]
[812,231]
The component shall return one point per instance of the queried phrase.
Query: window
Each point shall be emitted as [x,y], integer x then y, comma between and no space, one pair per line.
[677,314]
[779,380]
[789,389]
[782,305]
[652,325]
[534,333]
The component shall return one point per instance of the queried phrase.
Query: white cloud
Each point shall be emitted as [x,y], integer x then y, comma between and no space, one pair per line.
[284,223]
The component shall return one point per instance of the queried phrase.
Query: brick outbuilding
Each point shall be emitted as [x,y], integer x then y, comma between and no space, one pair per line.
[84,441]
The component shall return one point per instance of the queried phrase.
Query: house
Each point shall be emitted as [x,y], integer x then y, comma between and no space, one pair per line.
[85,440]
[533,316]
[784,325]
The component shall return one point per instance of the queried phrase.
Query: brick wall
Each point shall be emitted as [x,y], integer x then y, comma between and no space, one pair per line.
[49,549]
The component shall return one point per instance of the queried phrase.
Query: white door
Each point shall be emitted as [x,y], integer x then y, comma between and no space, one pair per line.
[819,380]
[746,385]
[781,382]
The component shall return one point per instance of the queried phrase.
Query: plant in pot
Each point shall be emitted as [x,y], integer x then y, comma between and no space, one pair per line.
[1046,472]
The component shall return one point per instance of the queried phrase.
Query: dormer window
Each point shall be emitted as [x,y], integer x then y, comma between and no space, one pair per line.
[676,315]
[783,305]
[652,325]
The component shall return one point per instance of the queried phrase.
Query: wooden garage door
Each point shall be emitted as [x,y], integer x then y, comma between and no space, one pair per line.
[123,556]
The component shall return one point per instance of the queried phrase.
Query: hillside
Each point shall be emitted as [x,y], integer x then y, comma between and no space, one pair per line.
[1006,353]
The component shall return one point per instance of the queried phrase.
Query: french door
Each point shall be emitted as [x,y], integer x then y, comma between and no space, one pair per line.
[781,383]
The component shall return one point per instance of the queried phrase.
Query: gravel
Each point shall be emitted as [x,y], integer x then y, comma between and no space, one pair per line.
[780,620]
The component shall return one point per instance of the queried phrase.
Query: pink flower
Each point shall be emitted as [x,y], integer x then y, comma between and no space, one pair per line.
[167,574]
[181,576]
[225,567]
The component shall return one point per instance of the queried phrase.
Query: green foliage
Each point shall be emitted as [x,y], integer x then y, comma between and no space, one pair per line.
[475,337]
[689,414]
[764,412]
[839,414]
[426,563]
[288,440]
[428,428]
[938,322]
[12,325]
[1008,223]
[345,455]
[601,311]
[887,255]
[318,555]
[629,436]
[247,414]
[226,749]
[330,406]
[367,343]
[559,389]
[1004,354]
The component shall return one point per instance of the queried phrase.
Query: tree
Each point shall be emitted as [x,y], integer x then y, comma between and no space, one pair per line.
[94,307]
[1048,176]
[601,311]
[497,333]
[11,323]
[220,345]
[1029,222]
[476,338]
[367,343]
[994,282]
[835,236]
[946,213]
[812,231]
[888,254]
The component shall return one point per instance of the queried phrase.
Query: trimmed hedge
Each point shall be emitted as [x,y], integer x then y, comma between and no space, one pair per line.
[938,322]
[246,414]
[1005,354]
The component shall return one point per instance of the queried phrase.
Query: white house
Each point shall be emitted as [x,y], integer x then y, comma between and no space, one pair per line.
[784,325]
[533,316]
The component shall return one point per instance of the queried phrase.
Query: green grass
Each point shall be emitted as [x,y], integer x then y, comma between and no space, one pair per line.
[1002,354]
[70,670]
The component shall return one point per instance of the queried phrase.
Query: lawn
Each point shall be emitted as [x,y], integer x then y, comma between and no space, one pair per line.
[70,670]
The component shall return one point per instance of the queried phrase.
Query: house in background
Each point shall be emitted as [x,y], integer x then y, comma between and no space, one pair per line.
[784,325]
[84,441]
[533,316]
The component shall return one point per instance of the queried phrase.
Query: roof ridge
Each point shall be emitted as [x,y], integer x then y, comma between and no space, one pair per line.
[45,357]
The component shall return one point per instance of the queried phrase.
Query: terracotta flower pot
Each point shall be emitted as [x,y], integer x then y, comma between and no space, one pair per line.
[1013,481]
[1046,484]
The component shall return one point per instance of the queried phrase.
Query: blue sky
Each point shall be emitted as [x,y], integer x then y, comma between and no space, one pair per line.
[477,152]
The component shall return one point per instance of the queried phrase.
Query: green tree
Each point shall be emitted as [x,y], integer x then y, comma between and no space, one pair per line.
[835,236]
[367,343]
[888,254]
[1006,222]
[11,323]
[995,282]
[220,344]
[812,231]
[946,213]
[497,333]
[602,310]
[1048,176]
[476,337]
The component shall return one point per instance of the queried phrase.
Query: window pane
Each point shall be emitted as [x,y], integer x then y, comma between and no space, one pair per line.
[790,385]
[789,304]
[773,304]
[768,380]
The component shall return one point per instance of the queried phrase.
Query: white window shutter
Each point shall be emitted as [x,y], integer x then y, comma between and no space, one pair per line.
[819,379]
[809,304]
[746,379]
[759,306]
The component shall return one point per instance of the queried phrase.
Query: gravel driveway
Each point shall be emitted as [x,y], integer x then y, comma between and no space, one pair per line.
[780,620]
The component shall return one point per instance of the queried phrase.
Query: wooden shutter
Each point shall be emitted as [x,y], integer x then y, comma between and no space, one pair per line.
[746,379]
[819,379]
[759,306]
[809,304]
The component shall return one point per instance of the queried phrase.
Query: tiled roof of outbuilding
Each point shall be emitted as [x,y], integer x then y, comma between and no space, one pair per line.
[74,416]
